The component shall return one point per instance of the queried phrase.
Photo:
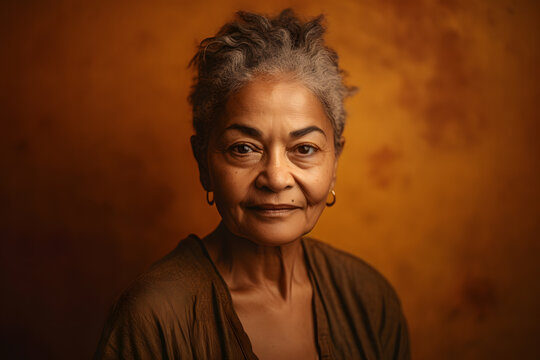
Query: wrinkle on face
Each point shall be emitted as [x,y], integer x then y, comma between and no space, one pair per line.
[274,145]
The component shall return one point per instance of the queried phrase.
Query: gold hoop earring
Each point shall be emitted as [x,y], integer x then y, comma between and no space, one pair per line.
[331,203]
[210,202]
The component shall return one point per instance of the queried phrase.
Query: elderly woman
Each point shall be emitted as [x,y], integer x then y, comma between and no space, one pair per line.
[268,116]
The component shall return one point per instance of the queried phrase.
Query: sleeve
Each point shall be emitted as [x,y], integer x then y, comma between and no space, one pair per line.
[394,332]
[132,331]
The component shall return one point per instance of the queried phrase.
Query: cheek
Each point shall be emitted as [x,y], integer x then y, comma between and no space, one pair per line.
[316,186]
[317,193]
[228,184]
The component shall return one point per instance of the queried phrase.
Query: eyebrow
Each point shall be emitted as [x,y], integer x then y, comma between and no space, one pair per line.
[245,129]
[301,132]
[256,133]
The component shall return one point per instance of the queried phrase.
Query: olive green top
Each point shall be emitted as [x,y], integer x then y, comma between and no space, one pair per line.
[182,309]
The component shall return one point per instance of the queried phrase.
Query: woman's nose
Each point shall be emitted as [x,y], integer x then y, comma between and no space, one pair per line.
[275,174]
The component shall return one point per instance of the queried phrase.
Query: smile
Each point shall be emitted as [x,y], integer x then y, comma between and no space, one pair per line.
[273,210]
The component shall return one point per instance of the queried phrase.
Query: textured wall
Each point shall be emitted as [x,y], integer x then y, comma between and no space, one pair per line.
[437,186]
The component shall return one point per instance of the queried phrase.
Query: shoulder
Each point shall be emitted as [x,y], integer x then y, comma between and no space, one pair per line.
[343,260]
[171,285]
[179,274]
[163,298]
[347,283]
[359,300]
[345,269]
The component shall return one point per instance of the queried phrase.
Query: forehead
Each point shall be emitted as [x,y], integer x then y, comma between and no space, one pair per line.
[273,103]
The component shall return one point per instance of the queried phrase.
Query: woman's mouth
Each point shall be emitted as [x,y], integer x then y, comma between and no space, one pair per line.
[273,209]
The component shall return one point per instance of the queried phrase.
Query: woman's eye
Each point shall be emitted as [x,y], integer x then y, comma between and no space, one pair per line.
[241,149]
[306,149]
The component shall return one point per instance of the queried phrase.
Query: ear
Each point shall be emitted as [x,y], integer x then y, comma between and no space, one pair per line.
[202,162]
[341,144]
[336,159]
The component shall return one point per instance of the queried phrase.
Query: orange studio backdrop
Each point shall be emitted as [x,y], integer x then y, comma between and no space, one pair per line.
[437,186]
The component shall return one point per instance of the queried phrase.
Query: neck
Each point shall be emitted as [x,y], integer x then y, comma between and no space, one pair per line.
[247,266]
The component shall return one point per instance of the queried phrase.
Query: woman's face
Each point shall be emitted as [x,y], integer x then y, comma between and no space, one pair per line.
[272,162]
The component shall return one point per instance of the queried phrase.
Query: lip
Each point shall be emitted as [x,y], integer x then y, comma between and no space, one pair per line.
[273,209]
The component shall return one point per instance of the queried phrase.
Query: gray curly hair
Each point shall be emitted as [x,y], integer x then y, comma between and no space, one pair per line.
[255,45]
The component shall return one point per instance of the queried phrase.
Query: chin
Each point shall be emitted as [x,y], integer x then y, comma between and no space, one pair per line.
[273,234]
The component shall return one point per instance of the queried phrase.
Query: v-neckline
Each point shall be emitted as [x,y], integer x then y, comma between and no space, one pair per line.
[320,321]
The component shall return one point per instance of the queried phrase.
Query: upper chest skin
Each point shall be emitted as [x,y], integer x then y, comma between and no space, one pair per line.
[278,329]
